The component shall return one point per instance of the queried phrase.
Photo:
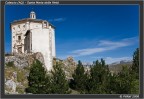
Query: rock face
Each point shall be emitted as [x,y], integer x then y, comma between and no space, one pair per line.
[39,56]
[69,67]
[69,62]
[19,61]
[24,60]
[17,70]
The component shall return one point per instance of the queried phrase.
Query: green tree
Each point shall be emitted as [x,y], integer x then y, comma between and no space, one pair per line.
[48,84]
[135,73]
[99,78]
[59,82]
[79,78]
[127,81]
[123,81]
[135,65]
[135,86]
[37,79]
[112,85]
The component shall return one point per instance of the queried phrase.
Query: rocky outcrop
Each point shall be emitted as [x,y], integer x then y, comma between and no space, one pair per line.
[17,70]
[19,62]
[69,67]
[11,86]
[69,62]
[23,60]
[39,57]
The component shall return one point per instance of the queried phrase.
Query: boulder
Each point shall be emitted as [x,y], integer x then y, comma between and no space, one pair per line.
[39,57]
[10,84]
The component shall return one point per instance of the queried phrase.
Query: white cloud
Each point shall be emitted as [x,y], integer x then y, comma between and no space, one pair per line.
[57,19]
[105,45]
[123,42]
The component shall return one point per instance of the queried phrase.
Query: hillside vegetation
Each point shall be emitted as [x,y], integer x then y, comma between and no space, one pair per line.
[69,77]
[116,68]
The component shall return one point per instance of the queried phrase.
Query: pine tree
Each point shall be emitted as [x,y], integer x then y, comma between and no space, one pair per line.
[48,84]
[112,85]
[79,77]
[127,81]
[135,65]
[135,73]
[36,78]
[99,78]
[123,81]
[59,82]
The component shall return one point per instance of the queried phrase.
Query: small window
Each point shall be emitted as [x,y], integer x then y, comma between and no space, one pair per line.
[19,26]
[19,37]
[13,36]
[45,24]
[24,27]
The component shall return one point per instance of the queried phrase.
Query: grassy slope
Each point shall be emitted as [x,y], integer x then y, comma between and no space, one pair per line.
[21,78]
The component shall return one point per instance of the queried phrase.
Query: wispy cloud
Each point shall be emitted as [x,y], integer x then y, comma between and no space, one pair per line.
[105,45]
[123,42]
[57,19]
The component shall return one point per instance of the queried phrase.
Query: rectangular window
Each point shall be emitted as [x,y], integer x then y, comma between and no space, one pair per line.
[19,37]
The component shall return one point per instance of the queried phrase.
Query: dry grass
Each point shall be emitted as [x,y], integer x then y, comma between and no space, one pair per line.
[21,78]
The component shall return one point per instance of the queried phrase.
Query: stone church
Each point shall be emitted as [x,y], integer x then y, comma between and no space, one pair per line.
[30,35]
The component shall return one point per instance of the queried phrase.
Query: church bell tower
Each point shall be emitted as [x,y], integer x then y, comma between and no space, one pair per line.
[32,15]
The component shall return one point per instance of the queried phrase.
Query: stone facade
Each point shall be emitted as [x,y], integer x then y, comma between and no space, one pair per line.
[33,35]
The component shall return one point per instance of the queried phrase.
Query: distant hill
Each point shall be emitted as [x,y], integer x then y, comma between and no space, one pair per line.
[117,66]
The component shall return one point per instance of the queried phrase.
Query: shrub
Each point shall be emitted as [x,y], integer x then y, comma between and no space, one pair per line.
[10,64]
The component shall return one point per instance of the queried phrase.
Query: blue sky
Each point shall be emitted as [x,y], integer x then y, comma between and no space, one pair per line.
[86,32]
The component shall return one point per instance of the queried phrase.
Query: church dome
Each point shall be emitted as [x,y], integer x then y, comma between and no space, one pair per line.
[32,12]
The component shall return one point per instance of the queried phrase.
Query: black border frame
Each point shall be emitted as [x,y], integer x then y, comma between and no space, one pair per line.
[141,95]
